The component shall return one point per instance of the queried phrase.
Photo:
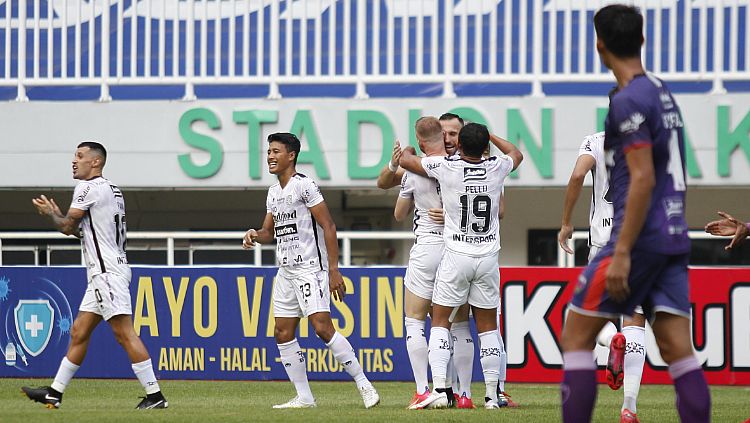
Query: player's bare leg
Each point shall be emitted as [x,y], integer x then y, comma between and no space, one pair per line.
[80,334]
[673,338]
[578,388]
[416,309]
[344,353]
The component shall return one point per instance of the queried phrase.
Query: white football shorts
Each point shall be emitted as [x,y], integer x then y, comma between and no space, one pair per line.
[424,260]
[108,295]
[301,295]
[461,278]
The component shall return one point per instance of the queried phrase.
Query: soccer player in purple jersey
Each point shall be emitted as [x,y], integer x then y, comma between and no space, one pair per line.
[645,260]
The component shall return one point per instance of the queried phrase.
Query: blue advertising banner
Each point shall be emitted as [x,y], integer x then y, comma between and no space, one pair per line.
[198,323]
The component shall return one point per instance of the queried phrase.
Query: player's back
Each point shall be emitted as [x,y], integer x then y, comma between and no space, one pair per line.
[644,113]
[471,199]
[600,211]
[103,227]
[426,195]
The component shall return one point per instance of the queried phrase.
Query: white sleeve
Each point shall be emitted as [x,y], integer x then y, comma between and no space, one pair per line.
[505,165]
[587,147]
[268,202]
[310,193]
[84,196]
[433,165]
[407,186]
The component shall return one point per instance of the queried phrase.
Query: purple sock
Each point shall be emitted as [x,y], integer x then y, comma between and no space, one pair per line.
[578,389]
[693,397]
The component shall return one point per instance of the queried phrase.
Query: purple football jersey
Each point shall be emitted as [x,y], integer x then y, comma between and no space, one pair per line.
[644,114]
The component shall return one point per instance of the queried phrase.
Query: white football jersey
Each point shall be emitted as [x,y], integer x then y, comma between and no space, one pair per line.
[300,246]
[103,228]
[471,199]
[426,195]
[601,212]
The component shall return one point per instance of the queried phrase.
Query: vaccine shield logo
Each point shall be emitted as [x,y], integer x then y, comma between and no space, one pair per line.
[34,324]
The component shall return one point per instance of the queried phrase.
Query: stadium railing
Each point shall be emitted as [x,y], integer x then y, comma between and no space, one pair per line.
[186,43]
[196,241]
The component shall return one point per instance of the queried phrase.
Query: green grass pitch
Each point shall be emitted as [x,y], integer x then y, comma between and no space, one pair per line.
[106,401]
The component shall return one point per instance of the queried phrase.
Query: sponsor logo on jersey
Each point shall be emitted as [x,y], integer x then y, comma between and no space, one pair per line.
[83,195]
[631,124]
[474,173]
[282,217]
[286,230]
[673,207]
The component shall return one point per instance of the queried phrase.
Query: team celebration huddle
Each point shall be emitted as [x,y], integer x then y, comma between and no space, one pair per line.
[637,268]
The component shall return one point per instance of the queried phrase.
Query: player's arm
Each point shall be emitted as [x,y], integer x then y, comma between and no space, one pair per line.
[264,235]
[637,203]
[68,223]
[583,165]
[390,176]
[508,149]
[411,162]
[322,215]
[402,209]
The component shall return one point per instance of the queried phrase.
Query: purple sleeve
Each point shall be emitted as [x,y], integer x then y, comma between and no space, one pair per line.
[629,120]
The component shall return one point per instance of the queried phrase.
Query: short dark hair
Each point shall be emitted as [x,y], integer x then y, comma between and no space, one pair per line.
[289,140]
[620,27]
[451,116]
[95,146]
[474,139]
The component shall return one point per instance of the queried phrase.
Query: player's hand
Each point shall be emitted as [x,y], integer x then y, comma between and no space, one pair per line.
[336,284]
[396,155]
[437,215]
[566,233]
[409,151]
[617,277]
[248,241]
[728,226]
[44,206]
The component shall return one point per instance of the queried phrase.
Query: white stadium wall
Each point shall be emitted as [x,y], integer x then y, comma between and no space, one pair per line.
[221,143]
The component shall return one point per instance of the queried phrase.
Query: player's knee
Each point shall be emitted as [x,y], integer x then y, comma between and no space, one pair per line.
[77,335]
[282,335]
[672,350]
[324,329]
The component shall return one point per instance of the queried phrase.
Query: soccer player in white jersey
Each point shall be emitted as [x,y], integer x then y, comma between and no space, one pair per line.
[307,253]
[97,216]
[424,194]
[470,187]
[627,350]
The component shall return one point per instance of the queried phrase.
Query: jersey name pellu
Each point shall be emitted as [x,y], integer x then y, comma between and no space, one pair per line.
[471,199]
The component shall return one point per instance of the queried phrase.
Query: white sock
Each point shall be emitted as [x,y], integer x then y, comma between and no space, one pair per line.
[144,371]
[293,360]
[416,347]
[65,373]
[463,356]
[489,356]
[605,335]
[344,353]
[439,355]
[451,373]
[503,362]
[635,357]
